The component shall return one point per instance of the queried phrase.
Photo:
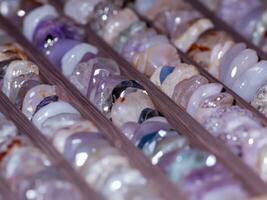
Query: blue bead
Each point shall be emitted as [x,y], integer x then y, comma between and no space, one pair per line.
[146,139]
[165,71]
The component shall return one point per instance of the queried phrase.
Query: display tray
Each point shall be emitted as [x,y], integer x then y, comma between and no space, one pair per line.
[180,121]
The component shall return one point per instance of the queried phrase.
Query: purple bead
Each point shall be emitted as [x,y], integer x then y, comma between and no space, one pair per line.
[129,128]
[51,30]
[136,43]
[175,22]
[79,139]
[101,68]
[247,24]
[231,124]
[101,92]
[80,144]
[59,49]
[204,176]
[203,181]
[233,11]
[88,56]
[87,74]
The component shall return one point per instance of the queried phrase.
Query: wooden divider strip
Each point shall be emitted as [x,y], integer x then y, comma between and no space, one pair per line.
[51,75]
[26,127]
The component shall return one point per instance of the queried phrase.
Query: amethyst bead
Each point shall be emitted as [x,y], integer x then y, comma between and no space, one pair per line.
[51,30]
[58,50]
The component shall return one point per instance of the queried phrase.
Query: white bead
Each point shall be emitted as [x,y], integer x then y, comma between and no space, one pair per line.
[51,110]
[61,138]
[71,59]
[15,69]
[80,10]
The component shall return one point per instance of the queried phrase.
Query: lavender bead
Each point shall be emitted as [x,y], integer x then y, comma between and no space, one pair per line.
[23,162]
[56,52]
[101,93]
[85,74]
[135,44]
[203,181]
[80,139]
[47,185]
[233,10]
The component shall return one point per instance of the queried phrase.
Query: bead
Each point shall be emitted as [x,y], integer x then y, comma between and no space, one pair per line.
[47,185]
[50,110]
[259,101]
[45,102]
[159,55]
[187,161]
[212,182]
[199,94]
[71,59]
[211,104]
[242,62]
[180,73]
[55,123]
[22,82]
[165,71]
[149,127]
[250,81]
[30,160]
[103,12]
[86,74]
[133,29]
[117,92]
[34,97]
[33,18]
[135,43]
[118,23]
[15,69]
[184,89]
[53,29]
[56,52]
[128,179]
[228,57]
[129,107]
[148,113]
[80,10]
[185,41]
